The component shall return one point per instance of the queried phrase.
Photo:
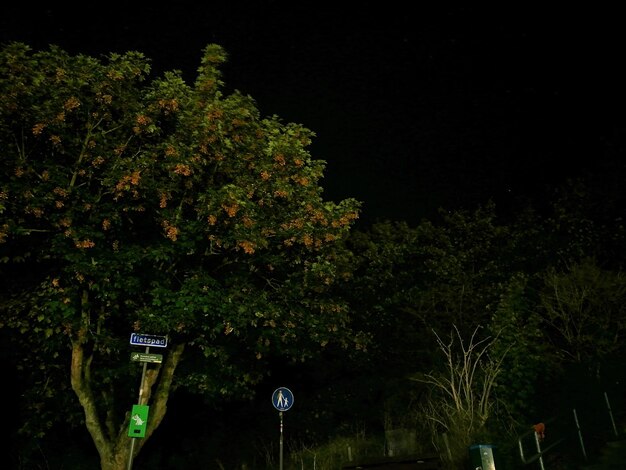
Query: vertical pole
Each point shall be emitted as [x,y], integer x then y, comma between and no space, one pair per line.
[132,439]
[608,406]
[280,461]
[580,434]
[538,445]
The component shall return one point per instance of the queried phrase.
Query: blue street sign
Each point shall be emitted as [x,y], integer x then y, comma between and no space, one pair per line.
[148,340]
[282,399]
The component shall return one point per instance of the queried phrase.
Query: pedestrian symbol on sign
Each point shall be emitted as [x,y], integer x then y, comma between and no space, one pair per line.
[282,399]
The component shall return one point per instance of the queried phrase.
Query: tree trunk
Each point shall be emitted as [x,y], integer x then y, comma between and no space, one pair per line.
[113,443]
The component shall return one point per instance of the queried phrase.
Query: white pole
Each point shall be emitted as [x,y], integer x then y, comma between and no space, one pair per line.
[132,439]
[580,434]
[280,413]
[608,406]
[539,451]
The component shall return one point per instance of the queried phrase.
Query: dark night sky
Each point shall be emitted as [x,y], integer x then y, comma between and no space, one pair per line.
[440,106]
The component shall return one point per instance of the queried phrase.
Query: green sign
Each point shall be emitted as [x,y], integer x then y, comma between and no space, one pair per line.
[143,357]
[138,421]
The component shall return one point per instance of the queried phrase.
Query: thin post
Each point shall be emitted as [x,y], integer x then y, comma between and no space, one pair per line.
[608,406]
[580,434]
[132,439]
[538,445]
[280,464]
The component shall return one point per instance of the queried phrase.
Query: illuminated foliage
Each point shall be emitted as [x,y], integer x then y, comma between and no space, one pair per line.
[137,204]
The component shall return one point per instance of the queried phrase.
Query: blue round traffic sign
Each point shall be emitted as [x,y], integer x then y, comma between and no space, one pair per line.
[282,399]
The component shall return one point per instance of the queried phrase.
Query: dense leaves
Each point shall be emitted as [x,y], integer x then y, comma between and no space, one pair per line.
[131,204]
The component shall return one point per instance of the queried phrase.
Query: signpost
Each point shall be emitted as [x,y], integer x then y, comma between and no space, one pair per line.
[139,414]
[142,357]
[148,340]
[138,421]
[282,399]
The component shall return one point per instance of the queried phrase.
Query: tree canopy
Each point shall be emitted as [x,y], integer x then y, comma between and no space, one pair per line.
[138,204]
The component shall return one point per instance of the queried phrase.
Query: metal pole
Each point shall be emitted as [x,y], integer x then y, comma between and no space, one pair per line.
[539,451]
[580,434]
[132,439]
[280,464]
[608,405]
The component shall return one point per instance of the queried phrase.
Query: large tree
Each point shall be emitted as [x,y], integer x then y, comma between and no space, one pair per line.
[138,204]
